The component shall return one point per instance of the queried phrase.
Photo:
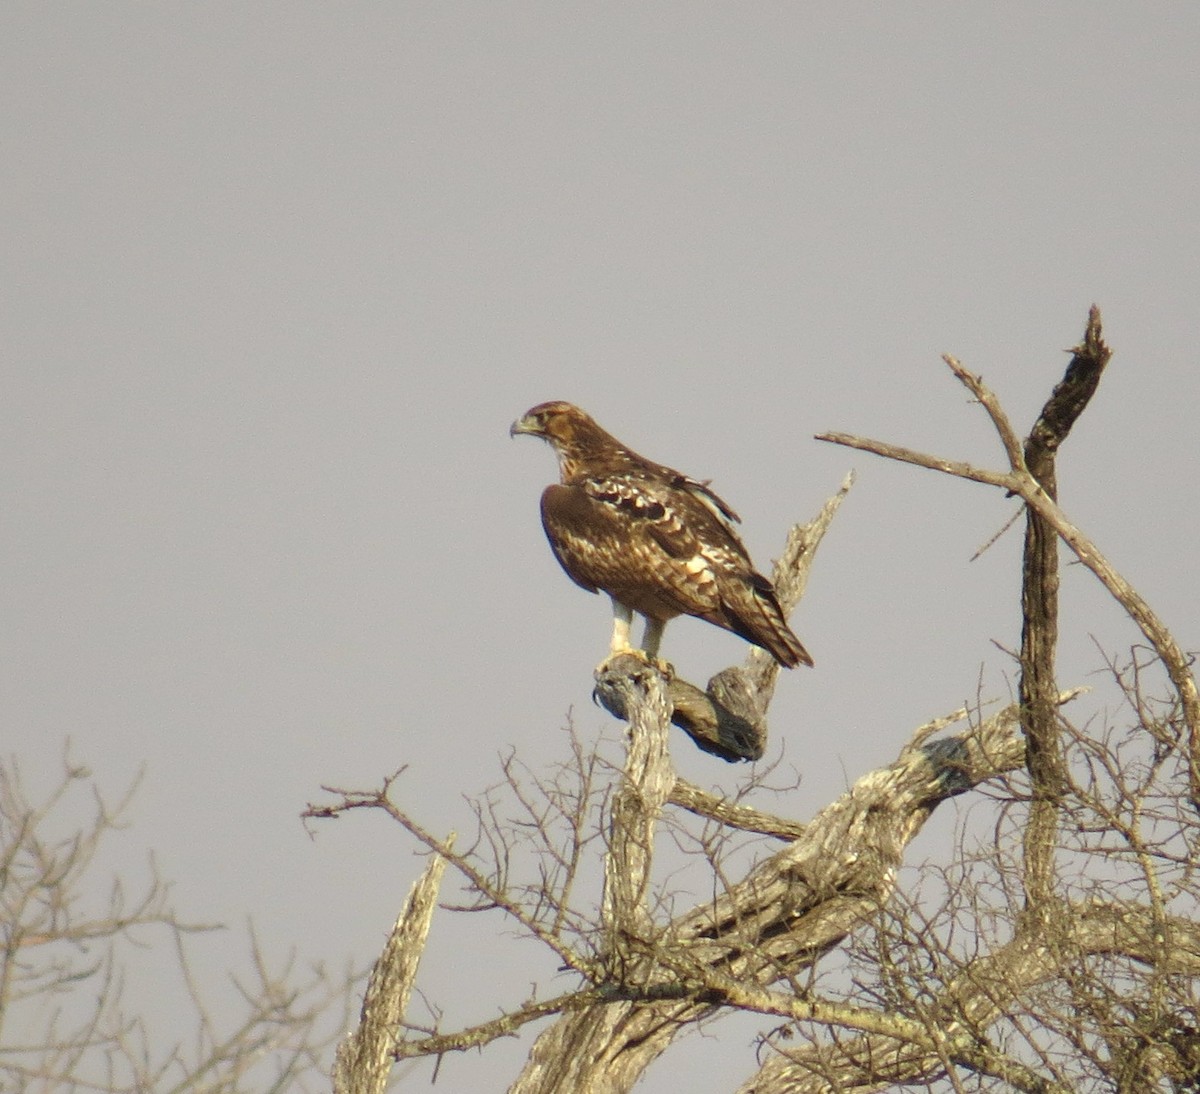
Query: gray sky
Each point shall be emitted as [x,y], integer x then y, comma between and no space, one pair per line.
[278,277]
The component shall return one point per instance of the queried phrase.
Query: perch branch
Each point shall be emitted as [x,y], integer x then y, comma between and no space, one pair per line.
[628,684]
[728,718]
[783,917]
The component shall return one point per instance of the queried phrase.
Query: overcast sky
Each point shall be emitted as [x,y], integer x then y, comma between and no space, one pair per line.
[277,277]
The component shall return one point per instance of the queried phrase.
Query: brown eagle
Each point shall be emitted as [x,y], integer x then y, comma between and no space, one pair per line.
[658,542]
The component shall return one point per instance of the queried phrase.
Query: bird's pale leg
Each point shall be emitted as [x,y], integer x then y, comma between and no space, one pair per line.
[622,622]
[652,637]
[651,640]
[622,626]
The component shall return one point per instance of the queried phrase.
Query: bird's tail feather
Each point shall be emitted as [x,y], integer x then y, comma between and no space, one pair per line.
[767,627]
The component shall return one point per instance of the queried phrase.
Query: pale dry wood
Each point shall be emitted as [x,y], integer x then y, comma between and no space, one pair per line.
[1020,482]
[977,997]
[629,683]
[635,691]
[790,576]
[688,796]
[788,913]
[728,717]
[365,1055]
[957,468]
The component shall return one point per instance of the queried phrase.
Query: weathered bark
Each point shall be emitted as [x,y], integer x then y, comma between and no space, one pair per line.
[732,815]
[629,684]
[366,1054]
[979,995]
[729,717]
[787,914]
[1039,615]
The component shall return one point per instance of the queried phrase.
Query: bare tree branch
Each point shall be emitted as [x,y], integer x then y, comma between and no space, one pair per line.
[881,1059]
[781,919]
[1039,611]
[1020,482]
[1005,480]
[692,798]
[628,684]
[728,718]
[365,1056]
[351,800]
[74,1013]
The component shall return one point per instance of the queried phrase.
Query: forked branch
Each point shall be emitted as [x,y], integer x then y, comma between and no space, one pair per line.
[1018,480]
[728,717]
[779,921]
[977,997]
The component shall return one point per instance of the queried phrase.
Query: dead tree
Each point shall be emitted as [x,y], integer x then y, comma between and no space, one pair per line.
[75,1015]
[1061,954]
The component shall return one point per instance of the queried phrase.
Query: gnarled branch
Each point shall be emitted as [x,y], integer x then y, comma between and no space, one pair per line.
[782,918]
[728,717]
[1019,481]
[365,1056]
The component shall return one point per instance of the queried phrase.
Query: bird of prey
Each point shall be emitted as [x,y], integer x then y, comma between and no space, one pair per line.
[658,542]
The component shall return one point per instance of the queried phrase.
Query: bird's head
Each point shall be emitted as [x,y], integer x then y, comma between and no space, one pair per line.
[555,422]
[572,433]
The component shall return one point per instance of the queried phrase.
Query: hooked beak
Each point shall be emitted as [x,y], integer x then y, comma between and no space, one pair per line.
[525,425]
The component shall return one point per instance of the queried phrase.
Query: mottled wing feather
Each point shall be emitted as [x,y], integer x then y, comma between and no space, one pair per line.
[700,488]
[625,535]
[662,545]
[650,471]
